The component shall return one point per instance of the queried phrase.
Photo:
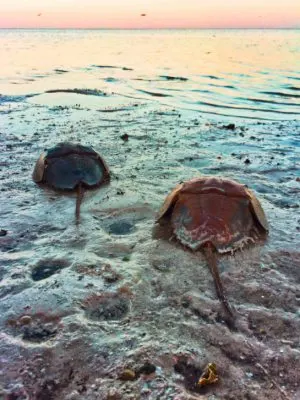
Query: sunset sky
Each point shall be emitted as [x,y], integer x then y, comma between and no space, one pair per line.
[159,13]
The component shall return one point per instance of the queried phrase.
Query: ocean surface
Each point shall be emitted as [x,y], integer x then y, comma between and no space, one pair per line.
[240,73]
[110,308]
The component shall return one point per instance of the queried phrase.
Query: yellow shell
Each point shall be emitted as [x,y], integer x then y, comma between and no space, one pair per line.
[209,375]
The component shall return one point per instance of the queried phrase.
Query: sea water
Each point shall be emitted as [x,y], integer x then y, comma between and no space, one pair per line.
[240,73]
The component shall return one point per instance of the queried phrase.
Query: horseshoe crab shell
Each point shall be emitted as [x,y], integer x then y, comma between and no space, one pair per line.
[213,213]
[216,210]
[68,166]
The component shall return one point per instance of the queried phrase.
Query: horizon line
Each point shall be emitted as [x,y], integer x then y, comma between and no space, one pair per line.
[155,29]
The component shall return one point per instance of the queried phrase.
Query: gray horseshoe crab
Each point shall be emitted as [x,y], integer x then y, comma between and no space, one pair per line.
[71,167]
[215,215]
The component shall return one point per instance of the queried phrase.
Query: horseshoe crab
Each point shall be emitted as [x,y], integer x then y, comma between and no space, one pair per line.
[70,167]
[216,215]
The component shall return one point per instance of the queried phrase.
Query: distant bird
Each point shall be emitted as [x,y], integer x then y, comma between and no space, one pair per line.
[39,15]
[143,15]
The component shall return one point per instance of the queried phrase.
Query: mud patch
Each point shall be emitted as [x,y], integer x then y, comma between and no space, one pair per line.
[122,221]
[106,306]
[105,271]
[155,94]
[46,268]
[35,328]
[287,262]
[121,228]
[113,67]
[173,78]
[266,326]
[60,71]
[192,373]
[88,92]
[38,333]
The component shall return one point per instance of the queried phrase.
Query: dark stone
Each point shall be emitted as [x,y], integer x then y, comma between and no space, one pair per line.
[147,369]
[230,127]
[106,307]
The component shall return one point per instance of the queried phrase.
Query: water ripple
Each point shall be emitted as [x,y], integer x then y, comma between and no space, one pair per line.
[281,94]
[240,75]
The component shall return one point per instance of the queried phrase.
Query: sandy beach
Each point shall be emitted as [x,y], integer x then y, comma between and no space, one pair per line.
[108,309]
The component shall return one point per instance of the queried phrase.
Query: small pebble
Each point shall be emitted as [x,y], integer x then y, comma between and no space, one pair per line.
[127,375]
[25,320]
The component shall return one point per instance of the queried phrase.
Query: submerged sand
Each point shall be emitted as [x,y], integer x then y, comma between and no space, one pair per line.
[106,309]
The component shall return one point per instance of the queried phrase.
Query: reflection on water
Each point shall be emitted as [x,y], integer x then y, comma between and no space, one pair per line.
[251,73]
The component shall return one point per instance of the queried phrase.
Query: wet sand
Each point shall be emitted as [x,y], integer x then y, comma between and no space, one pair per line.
[108,309]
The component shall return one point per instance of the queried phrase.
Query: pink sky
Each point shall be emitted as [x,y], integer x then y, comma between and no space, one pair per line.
[159,13]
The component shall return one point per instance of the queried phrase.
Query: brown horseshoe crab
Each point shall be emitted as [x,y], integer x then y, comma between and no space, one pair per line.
[216,215]
[70,167]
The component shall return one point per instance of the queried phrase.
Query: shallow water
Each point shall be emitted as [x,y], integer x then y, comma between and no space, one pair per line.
[79,304]
[253,73]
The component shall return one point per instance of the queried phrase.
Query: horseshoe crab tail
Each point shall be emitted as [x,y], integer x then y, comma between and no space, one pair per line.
[211,258]
[80,194]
